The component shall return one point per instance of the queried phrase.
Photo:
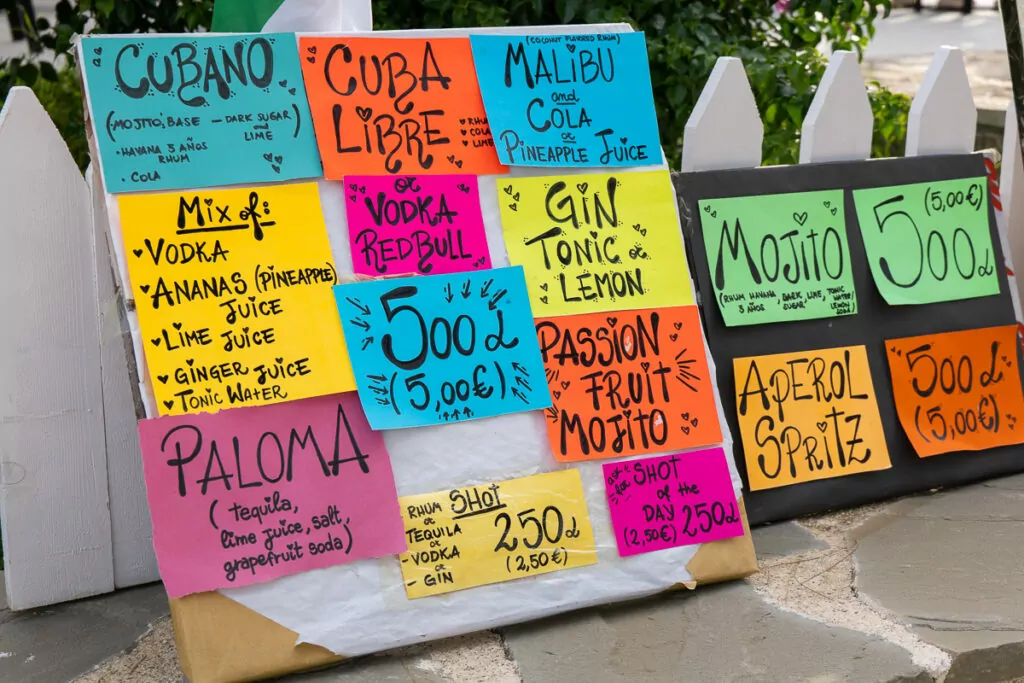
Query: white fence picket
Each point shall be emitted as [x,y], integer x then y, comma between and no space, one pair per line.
[130,525]
[943,118]
[724,130]
[53,491]
[1011,191]
[839,123]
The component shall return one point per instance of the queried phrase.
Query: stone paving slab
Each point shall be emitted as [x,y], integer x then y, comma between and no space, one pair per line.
[951,568]
[60,642]
[721,633]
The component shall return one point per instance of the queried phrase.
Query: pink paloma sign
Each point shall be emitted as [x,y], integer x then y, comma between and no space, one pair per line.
[250,494]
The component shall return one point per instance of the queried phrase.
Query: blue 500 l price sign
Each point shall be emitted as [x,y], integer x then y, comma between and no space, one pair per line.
[442,348]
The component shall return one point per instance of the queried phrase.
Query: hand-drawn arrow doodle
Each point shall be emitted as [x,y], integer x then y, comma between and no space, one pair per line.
[466,289]
[365,310]
[486,287]
[519,368]
[493,303]
[366,342]
[359,322]
[448,296]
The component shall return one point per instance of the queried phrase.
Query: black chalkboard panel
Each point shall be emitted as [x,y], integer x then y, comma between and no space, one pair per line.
[874,322]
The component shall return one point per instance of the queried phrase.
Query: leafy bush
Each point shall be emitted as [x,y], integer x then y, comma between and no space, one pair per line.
[683,40]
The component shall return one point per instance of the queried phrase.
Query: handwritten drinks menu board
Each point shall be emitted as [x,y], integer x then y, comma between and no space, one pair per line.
[415,225]
[929,242]
[779,257]
[627,383]
[233,293]
[396,105]
[596,242]
[808,415]
[671,500]
[196,111]
[442,348]
[570,100]
[244,496]
[495,532]
[958,391]
[876,321]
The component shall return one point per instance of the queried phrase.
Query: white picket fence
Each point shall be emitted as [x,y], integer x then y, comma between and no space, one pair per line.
[72,497]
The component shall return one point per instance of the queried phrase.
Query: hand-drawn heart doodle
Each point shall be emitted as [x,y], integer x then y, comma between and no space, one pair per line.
[513,207]
[163,378]
[800,218]
[556,394]
[694,422]
[155,342]
[311,60]
[543,299]
[685,416]
[593,233]
[97,62]
[144,288]
[565,385]
[623,140]
[353,198]
[283,84]
[678,326]
[822,426]
[834,211]
[684,429]
[673,336]
[190,361]
[364,113]
[137,252]
[169,404]
[208,202]
[311,49]
[279,158]
[827,203]
[450,158]
[612,321]
[177,326]
[544,286]
[463,188]
[516,196]
[98,51]
[462,122]
[291,91]
[277,169]
[268,157]
[458,163]
[465,143]
[646,366]
[571,47]
[582,187]
[508,190]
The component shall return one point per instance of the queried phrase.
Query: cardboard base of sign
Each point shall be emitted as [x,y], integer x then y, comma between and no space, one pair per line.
[221,641]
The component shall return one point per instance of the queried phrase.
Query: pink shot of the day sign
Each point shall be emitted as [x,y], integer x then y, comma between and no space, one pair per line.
[250,494]
[424,225]
[671,500]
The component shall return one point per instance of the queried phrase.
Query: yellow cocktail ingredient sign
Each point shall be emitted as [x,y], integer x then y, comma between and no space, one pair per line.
[495,532]
[596,242]
[233,293]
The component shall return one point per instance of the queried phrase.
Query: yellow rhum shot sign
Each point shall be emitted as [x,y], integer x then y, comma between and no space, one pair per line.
[495,532]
